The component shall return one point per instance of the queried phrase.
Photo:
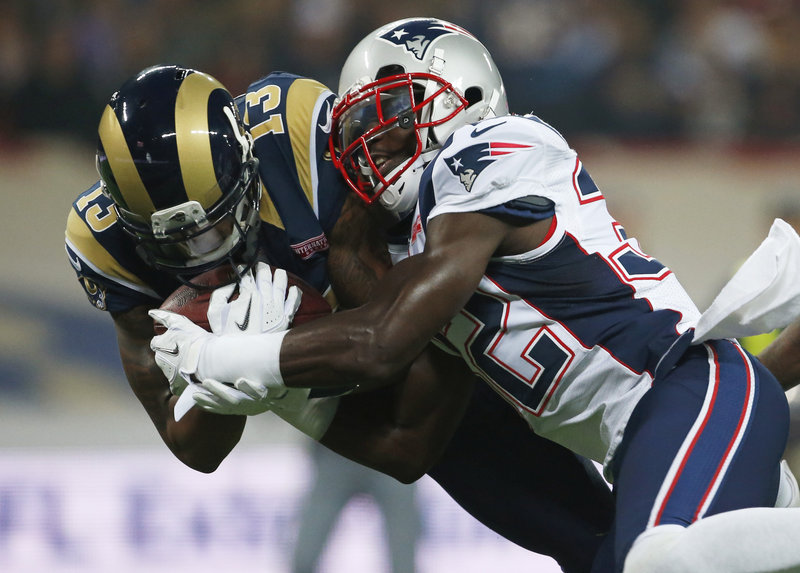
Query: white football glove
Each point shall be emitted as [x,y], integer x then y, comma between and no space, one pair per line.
[225,399]
[312,416]
[243,399]
[264,304]
[177,351]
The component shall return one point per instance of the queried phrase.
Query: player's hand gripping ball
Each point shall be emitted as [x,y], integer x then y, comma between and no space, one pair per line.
[263,300]
[193,302]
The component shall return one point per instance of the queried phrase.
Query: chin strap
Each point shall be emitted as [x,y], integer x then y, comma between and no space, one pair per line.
[400,198]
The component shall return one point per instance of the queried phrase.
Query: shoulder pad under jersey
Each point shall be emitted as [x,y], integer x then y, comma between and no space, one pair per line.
[104,258]
[493,166]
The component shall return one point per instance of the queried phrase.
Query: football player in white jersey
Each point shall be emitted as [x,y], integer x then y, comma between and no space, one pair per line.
[519,268]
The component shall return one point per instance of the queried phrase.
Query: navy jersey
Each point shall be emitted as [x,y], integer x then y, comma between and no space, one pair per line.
[289,119]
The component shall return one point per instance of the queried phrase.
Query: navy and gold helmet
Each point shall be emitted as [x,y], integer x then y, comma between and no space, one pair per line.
[176,161]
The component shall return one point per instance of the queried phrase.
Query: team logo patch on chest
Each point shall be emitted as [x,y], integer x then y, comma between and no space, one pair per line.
[416,37]
[469,162]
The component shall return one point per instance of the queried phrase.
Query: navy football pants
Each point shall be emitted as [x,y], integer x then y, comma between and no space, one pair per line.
[528,489]
[708,437]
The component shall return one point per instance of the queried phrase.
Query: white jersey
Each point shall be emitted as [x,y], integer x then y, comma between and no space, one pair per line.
[571,332]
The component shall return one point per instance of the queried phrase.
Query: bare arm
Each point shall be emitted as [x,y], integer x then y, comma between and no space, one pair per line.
[782,356]
[200,440]
[357,257]
[402,429]
[409,306]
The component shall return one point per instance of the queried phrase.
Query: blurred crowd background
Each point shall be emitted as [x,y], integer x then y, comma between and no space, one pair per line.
[723,70]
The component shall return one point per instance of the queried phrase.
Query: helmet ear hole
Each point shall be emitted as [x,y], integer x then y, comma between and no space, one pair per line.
[473,95]
[390,70]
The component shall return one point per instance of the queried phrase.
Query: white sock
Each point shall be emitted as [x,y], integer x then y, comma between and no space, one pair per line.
[752,540]
[788,490]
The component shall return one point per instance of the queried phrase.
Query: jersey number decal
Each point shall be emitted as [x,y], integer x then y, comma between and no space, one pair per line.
[526,366]
[98,218]
[268,97]
[630,265]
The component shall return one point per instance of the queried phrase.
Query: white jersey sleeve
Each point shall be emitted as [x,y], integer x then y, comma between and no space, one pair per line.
[495,162]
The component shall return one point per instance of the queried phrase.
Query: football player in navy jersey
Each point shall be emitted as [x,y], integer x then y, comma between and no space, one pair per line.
[518,268]
[191,179]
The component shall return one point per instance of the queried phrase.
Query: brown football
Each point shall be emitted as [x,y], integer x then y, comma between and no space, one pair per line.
[193,303]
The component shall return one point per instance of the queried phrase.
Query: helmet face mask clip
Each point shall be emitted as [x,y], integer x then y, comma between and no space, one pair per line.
[175,218]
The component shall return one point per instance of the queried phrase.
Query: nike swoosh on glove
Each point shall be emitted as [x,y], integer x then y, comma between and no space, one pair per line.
[177,351]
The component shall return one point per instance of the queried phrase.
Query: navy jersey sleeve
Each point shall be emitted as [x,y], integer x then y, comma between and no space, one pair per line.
[104,258]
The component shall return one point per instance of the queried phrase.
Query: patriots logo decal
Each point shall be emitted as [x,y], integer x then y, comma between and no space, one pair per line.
[417,36]
[468,163]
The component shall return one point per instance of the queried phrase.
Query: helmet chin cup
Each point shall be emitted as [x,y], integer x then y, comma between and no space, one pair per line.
[400,197]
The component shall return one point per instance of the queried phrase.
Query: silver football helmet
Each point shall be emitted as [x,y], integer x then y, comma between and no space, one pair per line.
[415,80]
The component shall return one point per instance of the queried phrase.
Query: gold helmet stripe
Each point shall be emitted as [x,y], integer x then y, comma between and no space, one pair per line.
[119,158]
[193,141]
